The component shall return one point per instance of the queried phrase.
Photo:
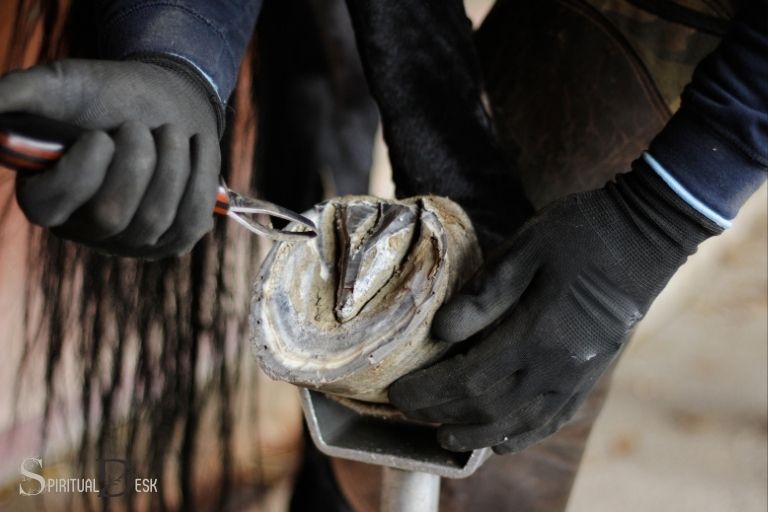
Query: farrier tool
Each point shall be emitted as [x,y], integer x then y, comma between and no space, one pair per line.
[30,143]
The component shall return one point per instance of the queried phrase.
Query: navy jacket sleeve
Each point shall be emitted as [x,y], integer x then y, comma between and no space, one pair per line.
[210,35]
[716,146]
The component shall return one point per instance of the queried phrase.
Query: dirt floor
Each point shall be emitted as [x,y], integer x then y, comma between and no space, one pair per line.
[685,425]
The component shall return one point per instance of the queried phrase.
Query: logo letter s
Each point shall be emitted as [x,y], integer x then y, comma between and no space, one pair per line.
[30,475]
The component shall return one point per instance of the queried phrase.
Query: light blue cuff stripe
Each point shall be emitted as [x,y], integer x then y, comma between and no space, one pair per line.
[684,194]
[205,75]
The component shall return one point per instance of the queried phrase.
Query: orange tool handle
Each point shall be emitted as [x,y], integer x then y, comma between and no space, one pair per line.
[32,143]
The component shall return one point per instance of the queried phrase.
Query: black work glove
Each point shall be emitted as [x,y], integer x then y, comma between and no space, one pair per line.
[142,181]
[545,320]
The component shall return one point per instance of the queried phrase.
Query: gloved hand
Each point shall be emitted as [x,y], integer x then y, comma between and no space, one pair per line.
[543,322]
[142,182]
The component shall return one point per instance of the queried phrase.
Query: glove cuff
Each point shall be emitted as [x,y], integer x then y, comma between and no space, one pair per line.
[655,207]
[647,227]
[188,72]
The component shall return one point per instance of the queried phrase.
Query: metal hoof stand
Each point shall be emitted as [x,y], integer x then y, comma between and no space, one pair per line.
[412,460]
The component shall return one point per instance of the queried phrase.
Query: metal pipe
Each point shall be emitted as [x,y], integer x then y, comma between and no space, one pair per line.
[409,491]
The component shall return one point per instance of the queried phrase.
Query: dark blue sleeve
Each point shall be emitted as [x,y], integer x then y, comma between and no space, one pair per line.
[716,145]
[210,35]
